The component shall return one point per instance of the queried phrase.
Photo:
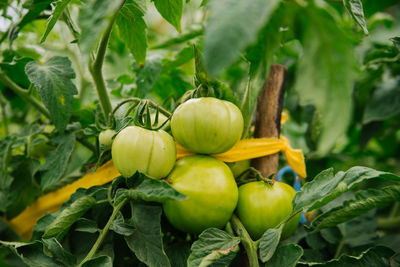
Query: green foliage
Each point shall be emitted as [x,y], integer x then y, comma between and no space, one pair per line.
[231,27]
[132,29]
[53,82]
[214,247]
[341,95]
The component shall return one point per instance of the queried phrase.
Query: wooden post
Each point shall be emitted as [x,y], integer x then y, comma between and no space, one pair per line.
[268,116]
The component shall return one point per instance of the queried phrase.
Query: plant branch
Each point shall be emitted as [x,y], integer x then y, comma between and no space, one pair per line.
[389,223]
[24,94]
[95,67]
[249,245]
[268,116]
[103,232]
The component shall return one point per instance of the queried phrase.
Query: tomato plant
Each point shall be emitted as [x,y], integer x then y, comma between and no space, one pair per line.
[137,149]
[207,125]
[211,193]
[70,69]
[262,206]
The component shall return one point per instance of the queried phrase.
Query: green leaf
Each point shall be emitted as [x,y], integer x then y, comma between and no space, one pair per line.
[326,186]
[86,226]
[53,249]
[365,201]
[30,253]
[57,160]
[326,73]
[231,27]
[93,20]
[396,42]
[55,15]
[171,11]
[101,261]
[121,227]
[286,256]
[260,56]
[178,253]
[375,257]
[53,82]
[146,241]
[23,189]
[69,215]
[269,242]
[181,38]
[132,28]
[148,76]
[384,102]
[214,247]
[151,190]
[35,7]
[355,8]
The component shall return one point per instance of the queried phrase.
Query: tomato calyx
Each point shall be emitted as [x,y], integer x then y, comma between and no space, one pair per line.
[251,175]
[146,113]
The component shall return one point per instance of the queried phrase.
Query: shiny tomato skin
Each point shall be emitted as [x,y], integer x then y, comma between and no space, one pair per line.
[150,152]
[211,193]
[105,138]
[207,125]
[262,206]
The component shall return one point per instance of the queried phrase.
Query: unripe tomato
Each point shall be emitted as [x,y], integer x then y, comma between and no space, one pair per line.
[262,206]
[150,152]
[207,125]
[239,167]
[211,193]
[105,138]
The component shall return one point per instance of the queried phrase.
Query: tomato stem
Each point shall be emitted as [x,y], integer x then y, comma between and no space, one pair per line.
[249,245]
[103,232]
[23,94]
[96,65]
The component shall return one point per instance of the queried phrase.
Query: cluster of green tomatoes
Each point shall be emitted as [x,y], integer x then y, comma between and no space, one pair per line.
[205,126]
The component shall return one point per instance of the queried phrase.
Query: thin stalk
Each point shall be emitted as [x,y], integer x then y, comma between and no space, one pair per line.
[23,94]
[96,66]
[389,223]
[249,245]
[395,209]
[339,249]
[4,114]
[103,232]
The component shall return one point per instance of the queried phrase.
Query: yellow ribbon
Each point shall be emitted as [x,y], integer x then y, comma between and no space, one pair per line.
[242,150]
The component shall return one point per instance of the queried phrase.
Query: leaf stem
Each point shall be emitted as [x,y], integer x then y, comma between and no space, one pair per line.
[95,67]
[4,114]
[389,223]
[23,94]
[249,245]
[339,249]
[103,232]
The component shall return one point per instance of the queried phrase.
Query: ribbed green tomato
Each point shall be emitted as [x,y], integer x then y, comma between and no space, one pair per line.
[207,125]
[211,193]
[150,152]
[262,206]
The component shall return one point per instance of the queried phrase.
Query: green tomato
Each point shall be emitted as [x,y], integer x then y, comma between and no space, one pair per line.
[207,125]
[239,167]
[105,138]
[262,206]
[211,193]
[150,152]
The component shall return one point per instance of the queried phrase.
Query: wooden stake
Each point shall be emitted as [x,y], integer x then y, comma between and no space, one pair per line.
[268,116]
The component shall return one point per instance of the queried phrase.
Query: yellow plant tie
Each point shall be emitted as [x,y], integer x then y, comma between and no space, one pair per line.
[242,150]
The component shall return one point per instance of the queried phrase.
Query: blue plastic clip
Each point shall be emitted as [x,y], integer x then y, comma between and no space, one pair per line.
[296,185]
